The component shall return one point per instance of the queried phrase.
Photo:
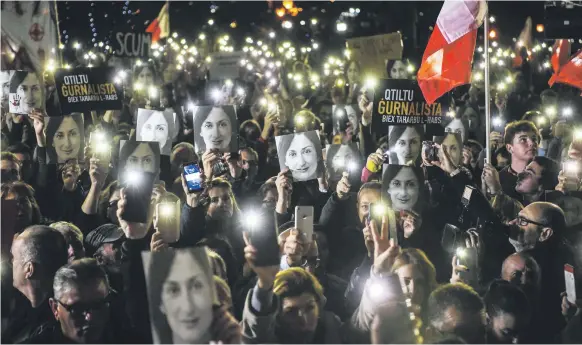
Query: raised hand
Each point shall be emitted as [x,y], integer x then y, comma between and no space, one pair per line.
[209,158]
[157,244]
[385,250]
[37,118]
[343,187]
[192,199]
[491,178]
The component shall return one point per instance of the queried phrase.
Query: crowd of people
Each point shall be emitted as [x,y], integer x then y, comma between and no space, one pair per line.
[465,249]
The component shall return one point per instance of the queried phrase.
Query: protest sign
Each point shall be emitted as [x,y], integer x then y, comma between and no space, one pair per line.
[372,52]
[132,44]
[224,65]
[400,102]
[83,89]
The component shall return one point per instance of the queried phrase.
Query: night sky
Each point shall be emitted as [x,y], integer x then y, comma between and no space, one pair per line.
[189,18]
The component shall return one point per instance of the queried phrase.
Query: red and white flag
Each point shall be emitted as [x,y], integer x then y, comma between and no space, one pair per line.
[448,56]
[160,27]
[29,34]
[566,70]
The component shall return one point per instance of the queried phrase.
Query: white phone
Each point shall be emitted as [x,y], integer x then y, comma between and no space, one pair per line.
[304,221]
[570,283]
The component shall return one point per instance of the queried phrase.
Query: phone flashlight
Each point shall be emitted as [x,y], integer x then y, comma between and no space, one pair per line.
[153,92]
[299,120]
[578,134]
[541,121]
[352,166]
[191,106]
[252,219]
[228,82]
[370,83]
[133,177]
[551,111]
[571,168]
[263,102]
[122,74]
[240,91]
[272,106]
[497,121]
[102,147]
[461,253]
[137,86]
[379,210]
[216,94]
[567,112]
[166,210]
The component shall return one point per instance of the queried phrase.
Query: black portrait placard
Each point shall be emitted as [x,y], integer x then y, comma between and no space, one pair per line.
[400,102]
[132,44]
[88,88]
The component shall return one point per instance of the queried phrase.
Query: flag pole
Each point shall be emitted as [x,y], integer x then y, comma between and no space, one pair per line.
[487,91]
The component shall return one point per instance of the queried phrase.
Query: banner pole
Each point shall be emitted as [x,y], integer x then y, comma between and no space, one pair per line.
[487,92]
[60,52]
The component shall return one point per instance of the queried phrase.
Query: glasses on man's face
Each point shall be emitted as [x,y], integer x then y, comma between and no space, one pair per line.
[522,221]
[81,309]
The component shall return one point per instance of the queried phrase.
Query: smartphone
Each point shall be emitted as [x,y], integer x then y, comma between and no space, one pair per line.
[468,257]
[168,224]
[431,152]
[193,177]
[101,147]
[304,221]
[264,238]
[466,198]
[571,168]
[375,215]
[138,193]
[570,283]
[392,229]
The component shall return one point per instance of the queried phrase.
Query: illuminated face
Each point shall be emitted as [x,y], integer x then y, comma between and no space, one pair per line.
[404,189]
[412,281]
[30,93]
[67,140]
[505,328]
[299,314]
[353,118]
[216,130]
[221,204]
[453,147]
[301,158]
[524,146]
[5,80]
[342,158]
[529,180]
[155,129]
[187,300]
[142,158]
[353,73]
[407,147]
[456,126]
[398,70]
[367,197]
[145,77]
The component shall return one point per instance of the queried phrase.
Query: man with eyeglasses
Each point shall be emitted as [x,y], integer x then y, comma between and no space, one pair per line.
[37,253]
[81,307]
[539,229]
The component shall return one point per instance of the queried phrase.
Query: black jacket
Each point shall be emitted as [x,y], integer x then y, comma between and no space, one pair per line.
[22,320]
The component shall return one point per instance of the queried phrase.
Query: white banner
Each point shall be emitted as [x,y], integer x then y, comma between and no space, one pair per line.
[29,32]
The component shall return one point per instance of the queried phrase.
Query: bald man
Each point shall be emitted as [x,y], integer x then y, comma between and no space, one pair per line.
[521,269]
[38,252]
[536,224]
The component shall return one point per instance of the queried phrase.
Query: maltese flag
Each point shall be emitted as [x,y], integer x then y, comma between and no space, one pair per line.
[566,70]
[448,56]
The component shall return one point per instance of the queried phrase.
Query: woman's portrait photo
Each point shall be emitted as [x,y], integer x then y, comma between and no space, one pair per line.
[344,115]
[342,157]
[181,295]
[457,125]
[26,92]
[139,155]
[402,186]
[453,144]
[405,144]
[215,128]
[301,153]
[65,138]
[158,126]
